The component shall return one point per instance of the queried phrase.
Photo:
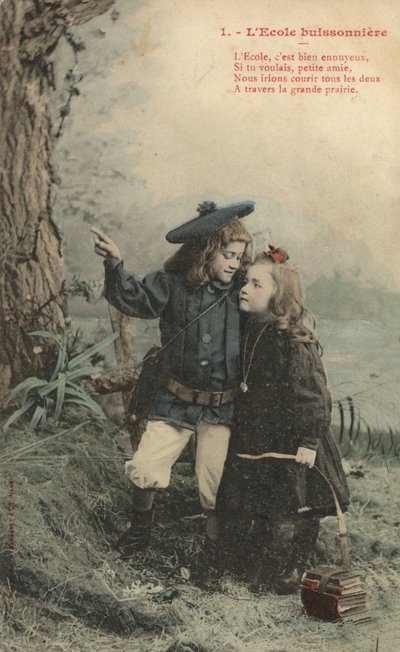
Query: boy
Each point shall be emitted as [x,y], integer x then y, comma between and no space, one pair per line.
[195,297]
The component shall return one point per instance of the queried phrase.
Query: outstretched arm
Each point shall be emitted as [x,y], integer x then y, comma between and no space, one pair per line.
[144,298]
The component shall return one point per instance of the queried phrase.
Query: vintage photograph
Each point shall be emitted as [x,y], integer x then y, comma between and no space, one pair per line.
[199,309]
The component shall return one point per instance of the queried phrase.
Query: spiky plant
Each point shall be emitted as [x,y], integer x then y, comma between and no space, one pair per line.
[48,397]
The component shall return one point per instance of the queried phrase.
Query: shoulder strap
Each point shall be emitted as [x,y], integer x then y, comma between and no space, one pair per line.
[220,299]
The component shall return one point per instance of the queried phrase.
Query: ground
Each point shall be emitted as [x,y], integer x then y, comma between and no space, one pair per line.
[70,591]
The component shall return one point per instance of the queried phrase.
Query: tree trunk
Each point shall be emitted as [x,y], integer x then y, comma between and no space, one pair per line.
[124,351]
[32,293]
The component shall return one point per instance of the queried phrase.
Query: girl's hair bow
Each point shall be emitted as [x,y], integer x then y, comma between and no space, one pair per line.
[276,254]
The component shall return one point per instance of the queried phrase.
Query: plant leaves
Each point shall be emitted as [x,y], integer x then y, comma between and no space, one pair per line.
[43,420]
[79,373]
[76,390]
[80,393]
[28,384]
[85,403]
[77,360]
[49,334]
[60,396]
[62,357]
[49,387]
[18,413]
[37,416]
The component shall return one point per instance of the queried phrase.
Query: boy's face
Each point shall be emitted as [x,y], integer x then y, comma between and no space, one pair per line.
[227,261]
[257,291]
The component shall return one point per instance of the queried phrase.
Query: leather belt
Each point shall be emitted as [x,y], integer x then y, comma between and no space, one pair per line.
[199,396]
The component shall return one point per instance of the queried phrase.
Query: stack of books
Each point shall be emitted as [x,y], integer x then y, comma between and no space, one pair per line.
[333,593]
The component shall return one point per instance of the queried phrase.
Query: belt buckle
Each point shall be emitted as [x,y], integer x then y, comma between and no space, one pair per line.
[216,399]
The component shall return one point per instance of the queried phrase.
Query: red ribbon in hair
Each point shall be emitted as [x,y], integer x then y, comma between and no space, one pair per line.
[276,254]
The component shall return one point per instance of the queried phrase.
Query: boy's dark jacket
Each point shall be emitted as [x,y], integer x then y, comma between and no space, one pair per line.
[287,405]
[205,356]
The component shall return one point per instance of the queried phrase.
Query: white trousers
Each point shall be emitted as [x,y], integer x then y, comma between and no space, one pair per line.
[161,445]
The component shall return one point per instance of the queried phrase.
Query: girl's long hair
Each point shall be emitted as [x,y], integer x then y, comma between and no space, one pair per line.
[286,309]
[194,259]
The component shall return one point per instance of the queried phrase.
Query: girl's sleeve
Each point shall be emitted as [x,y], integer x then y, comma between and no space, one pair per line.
[309,403]
[145,298]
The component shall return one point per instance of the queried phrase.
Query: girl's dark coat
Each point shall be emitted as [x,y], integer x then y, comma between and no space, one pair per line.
[287,405]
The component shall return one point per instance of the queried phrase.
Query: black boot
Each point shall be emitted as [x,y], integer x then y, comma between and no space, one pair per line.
[305,535]
[286,579]
[259,556]
[236,547]
[212,570]
[271,571]
[305,538]
[137,536]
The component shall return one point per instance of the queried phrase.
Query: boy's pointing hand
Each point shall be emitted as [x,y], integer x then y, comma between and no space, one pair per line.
[105,247]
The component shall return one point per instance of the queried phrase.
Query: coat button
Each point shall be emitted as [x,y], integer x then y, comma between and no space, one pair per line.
[206,338]
[204,363]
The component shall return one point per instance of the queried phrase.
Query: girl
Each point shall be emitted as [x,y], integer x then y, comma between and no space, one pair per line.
[195,296]
[271,507]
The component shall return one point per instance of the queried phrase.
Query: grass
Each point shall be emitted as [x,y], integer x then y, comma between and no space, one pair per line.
[70,499]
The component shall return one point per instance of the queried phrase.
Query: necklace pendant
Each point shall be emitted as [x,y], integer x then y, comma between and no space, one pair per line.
[244,387]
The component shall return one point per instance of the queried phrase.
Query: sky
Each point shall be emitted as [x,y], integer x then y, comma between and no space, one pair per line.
[324,171]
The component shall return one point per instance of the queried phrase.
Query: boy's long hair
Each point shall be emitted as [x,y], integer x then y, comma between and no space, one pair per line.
[194,259]
[286,308]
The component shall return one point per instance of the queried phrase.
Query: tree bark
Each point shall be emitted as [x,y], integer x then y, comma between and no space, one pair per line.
[32,295]
[124,351]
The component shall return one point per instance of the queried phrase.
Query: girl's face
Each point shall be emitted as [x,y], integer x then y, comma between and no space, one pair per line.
[257,291]
[227,261]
